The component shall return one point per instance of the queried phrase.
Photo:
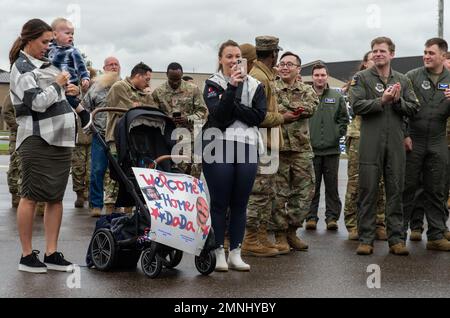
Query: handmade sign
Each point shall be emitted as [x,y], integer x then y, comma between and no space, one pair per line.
[179,209]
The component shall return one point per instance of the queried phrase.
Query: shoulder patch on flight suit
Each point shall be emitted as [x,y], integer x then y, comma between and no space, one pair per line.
[354,80]
[443,86]
[379,88]
[426,85]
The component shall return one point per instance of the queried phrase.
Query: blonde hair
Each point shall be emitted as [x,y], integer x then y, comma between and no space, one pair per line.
[58,21]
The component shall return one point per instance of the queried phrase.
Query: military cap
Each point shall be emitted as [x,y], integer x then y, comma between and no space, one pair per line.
[248,51]
[267,43]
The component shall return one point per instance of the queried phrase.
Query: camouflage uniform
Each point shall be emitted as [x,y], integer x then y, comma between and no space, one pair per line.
[261,201]
[111,186]
[14,160]
[186,99]
[295,180]
[81,155]
[122,94]
[351,197]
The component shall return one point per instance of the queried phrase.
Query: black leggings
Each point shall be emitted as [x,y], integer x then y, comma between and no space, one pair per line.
[230,184]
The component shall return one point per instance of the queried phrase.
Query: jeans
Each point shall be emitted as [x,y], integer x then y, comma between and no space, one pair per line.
[99,164]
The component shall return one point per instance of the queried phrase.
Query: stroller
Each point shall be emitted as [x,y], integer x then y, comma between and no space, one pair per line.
[143,139]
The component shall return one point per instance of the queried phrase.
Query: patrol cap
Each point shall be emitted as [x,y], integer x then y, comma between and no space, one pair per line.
[248,51]
[267,43]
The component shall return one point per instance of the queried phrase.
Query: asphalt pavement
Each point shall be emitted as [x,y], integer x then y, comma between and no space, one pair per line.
[329,269]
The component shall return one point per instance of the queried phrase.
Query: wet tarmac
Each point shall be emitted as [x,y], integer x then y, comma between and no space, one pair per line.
[329,269]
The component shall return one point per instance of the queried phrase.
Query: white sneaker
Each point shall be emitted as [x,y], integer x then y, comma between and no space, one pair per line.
[221,261]
[235,261]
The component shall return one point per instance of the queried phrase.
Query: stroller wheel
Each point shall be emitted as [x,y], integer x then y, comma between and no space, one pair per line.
[206,262]
[173,258]
[151,263]
[103,251]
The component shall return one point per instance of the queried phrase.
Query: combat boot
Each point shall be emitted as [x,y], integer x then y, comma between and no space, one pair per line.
[415,235]
[15,199]
[439,245]
[448,202]
[109,208]
[447,235]
[294,241]
[40,208]
[281,242]
[95,212]
[226,244]
[353,234]
[332,225]
[311,224]
[263,238]
[399,249]
[253,247]
[79,202]
[364,249]
[380,233]
[128,210]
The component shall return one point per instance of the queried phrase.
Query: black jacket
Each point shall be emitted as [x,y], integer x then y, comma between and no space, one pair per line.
[225,106]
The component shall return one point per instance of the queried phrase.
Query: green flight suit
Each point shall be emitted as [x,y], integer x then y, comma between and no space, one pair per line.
[381,149]
[429,155]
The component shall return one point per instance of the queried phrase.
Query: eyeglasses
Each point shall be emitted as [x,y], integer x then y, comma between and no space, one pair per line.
[288,64]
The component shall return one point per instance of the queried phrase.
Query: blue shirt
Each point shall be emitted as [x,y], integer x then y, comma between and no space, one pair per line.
[69,59]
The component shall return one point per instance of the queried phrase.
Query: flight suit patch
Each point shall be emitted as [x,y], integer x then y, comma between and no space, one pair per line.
[426,85]
[443,86]
[379,88]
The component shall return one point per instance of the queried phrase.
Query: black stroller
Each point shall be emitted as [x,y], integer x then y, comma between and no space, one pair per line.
[143,139]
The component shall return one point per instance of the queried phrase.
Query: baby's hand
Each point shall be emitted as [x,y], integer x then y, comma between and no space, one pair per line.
[85,84]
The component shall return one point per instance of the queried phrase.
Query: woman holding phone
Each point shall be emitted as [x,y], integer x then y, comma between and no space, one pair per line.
[237,105]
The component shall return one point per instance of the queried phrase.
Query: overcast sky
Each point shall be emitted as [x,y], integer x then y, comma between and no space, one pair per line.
[158,32]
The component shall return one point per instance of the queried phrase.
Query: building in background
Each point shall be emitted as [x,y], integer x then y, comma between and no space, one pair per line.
[341,72]
[4,90]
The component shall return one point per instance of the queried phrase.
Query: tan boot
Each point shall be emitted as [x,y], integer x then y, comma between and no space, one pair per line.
[128,210]
[415,236]
[364,249]
[263,237]
[311,224]
[380,233]
[79,202]
[281,242]
[226,244]
[40,208]
[332,225]
[294,241]
[447,235]
[15,199]
[399,249]
[252,247]
[109,208]
[353,234]
[448,202]
[439,245]
[95,212]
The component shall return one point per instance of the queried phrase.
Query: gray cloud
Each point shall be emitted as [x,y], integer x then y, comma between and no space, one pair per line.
[159,32]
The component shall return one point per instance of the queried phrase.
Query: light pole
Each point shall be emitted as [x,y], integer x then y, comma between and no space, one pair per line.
[441,19]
